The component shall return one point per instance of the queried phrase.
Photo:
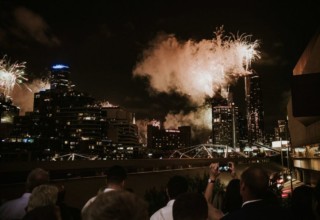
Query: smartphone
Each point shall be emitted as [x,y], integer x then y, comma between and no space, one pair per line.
[224,167]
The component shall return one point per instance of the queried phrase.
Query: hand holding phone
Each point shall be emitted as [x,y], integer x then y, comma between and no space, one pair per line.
[224,167]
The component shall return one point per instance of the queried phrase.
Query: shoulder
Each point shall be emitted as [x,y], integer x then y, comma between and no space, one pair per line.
[164,213]
[161,214]
[88,203]
[14,209]
[256,211]
[21,201]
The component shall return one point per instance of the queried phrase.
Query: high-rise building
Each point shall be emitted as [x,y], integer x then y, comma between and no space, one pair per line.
[225,129]
[7,113]
[168,139]
[65,120]
[59,78]
[120,126]
[255,113]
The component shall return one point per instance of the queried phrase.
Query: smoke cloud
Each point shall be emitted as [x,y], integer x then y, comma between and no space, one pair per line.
[196,69]
[23,95]
[34,26]
[142,128]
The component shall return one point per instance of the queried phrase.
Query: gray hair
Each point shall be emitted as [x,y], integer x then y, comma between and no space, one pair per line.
[43,195]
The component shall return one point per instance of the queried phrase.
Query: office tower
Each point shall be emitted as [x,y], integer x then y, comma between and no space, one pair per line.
[59,78]
[255,113]
[7,113]
[120,127]
[65,120]
[168,139]
[225,129]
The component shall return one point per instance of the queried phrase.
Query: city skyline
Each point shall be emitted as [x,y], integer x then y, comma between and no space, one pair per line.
[104,42]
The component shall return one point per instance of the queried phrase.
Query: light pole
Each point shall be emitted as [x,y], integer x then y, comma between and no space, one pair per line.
[281,151]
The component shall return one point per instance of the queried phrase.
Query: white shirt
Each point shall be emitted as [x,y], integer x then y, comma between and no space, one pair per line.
[250,201]
[16,208]
[93,198]
[164,213]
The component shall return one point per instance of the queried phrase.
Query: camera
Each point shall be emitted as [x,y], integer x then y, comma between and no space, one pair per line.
[224,167]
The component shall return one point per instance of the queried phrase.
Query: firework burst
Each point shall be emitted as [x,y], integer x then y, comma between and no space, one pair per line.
[197,68]
[10,75]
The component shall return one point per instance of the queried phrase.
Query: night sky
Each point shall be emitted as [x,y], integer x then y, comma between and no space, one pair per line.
[102,42]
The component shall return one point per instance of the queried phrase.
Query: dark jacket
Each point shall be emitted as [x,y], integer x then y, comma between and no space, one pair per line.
[259,210]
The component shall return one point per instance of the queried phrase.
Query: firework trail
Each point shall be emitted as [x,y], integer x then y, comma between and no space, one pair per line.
[10,75]
[196,69]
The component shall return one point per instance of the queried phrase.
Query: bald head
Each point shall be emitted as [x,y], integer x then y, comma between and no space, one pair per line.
[36,177]
[255,181]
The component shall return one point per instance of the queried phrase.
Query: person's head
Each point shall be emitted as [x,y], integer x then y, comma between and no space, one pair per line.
[176,186]
[116,176]
[117,204]
[254,183]
[317,197]
[43,195]
[190,206]
[35,178]
[233,199]
[302,202]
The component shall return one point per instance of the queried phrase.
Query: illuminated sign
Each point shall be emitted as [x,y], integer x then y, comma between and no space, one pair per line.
[59,66]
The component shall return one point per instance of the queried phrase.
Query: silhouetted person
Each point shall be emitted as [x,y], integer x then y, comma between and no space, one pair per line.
[232,199]
[175,187]
[67,212]
[116,205]
[223,201]
[254,184]
[16,209]
[116,176]
[317,198]
[42,203]
[49,212]
[218,199]
[42,195]
[302,202]
[190,206]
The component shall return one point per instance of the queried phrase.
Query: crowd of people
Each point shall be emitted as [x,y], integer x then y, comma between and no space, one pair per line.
[246,197]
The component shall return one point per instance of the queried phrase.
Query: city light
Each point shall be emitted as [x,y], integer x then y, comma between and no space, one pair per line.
[59,66]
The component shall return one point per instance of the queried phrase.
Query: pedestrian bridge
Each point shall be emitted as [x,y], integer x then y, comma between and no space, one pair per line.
[216,151]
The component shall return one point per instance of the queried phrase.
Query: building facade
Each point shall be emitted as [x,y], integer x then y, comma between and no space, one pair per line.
[225,125]
[255,113]
[67,121]
[168,139]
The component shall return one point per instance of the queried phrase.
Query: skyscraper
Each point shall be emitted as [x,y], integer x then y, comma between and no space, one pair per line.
[59,78]
[65,120]
[7,113]
[224,122]
[255,113]
[168,139]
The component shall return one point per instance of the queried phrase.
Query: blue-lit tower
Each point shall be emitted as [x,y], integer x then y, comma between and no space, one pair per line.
[59,78]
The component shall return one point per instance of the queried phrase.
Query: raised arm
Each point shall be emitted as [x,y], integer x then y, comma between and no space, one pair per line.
[213,175]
